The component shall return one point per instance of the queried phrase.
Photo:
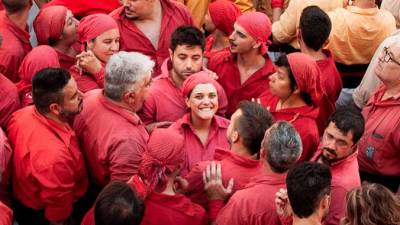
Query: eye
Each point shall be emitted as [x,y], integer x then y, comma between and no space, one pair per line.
[198,97]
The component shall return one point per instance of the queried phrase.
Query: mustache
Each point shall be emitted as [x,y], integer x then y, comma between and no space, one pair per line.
[333,152]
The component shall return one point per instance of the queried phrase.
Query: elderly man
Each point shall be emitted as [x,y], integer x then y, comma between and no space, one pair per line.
[112,135]
[146,26]
[378,152]
[49,174]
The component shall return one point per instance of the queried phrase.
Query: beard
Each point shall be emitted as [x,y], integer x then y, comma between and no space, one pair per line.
[68,115]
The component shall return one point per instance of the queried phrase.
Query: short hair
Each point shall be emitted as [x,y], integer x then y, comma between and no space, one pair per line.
[315,27]
[252,124]
[187,35]
[123,70]
[307,184]
[283,146]
[118,204]
[47,87]
[348,119]
[14,6]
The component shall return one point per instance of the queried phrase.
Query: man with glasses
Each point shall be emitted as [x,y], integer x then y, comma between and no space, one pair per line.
[379,147]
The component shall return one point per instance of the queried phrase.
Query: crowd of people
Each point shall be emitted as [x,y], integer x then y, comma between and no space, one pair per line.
[226,112]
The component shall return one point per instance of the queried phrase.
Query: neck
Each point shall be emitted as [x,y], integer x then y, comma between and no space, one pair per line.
[293,101]
[20,18]
[311,220]
[157,10]
[316,55]
[65,48]
[176,79]
[55,118]
[251,59]
[200,124]
[364,4]
[239,149]
[121,104]
[391,90]
[169,189]
[267,167]
[220,40]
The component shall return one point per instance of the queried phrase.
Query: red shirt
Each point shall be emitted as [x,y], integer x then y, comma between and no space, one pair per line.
[48,167]
[9,101]
[6,215]
[379,147]
[165,102]
[14,47]
[66,61]
[87,82]
[112,139]
[345,177]
[254,205]
[195,150]
[81,8]
[132,38]
[225,65]
[208,48]
[234,166]
[5,168]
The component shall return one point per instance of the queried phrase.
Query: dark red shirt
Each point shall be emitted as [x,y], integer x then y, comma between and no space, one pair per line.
[87,82]
[5,168]
[9,101]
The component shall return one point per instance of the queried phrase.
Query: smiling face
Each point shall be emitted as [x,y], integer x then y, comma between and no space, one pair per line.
[105,45]
[203,101]
[241,41]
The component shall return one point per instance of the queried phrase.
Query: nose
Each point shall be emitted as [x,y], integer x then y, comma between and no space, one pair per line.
[114,46]
[189,64]
[272,77]
[232,36]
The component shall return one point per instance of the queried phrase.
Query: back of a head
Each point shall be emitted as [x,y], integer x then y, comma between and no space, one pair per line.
[315,27]
[47,87]
[15,6]
[187,35]
[283,146]
[252,124]
[349,119]
[118,204]
[307,184]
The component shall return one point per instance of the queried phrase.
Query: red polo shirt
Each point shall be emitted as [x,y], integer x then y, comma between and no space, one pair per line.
[132,38]
[195,150]
[87,82]
[225,65]
[48,168]
[255,204]
[6,215]
[112,139]
[5,168]
[9,101]
[14,47]
[240,168]
[81,8]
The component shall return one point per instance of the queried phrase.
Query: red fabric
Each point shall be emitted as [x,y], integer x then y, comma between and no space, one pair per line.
[1,5]
[49,24]
[195,151]
[224,13]
[88,219]
[9,101]
[255,204]
[225,65]
[381,138]
[5,168]
[258,26]
[6,215]
[277,3]
[208,53]
[66,61]
[39,58]
[14,47]
[113,139]
[87,82]
[214,207]
[345,177]
[132,39]
[48,168]
[234,166]
[81,8]
[164,101]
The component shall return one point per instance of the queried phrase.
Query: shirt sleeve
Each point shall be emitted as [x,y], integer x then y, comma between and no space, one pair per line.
[99,77]
[284,30]
[337,206]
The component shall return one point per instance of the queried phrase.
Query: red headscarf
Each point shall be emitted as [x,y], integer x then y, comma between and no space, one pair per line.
[94,25]
[307,75]
[258,26]
[224,14]
[195,79]
[49,23]
[164,152]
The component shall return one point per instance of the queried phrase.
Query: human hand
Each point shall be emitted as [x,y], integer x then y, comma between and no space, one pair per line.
[282,203]
[210,73]
[152,126]
[181,184]
[212,178]
[88,62]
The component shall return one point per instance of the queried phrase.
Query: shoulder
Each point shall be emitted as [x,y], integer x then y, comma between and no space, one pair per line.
[218,59]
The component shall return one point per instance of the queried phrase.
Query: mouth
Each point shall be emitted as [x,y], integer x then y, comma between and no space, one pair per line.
[208,109]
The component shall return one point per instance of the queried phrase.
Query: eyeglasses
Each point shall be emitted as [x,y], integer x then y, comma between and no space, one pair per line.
[388,56]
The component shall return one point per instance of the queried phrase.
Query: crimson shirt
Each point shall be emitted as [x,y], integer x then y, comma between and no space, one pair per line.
[6,215]
[5,167]
[112,139]
[81,8]
[87,82]
[133,39]
[48,168]
[9,101]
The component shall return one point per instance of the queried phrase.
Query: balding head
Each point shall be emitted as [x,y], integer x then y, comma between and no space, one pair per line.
[15,6]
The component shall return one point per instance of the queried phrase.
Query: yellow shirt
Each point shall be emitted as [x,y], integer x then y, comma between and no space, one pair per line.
[198,9]
[357,33]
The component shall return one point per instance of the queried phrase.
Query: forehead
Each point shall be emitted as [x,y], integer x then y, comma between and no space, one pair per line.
[70,88]
[240,29]
[110,34]
[188,49]
[395,50]
[204,88]
[236,115]
[333,130]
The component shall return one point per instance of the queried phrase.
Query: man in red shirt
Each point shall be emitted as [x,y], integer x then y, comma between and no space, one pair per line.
[49,174]
[244,70]
[281,148]
[111,134]
[15,34]
[146,26]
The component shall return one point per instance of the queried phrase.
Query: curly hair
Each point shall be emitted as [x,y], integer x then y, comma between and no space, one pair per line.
[372,204]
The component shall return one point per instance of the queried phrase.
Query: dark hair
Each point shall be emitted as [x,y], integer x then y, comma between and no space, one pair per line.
[13,6]
[47,87]
[118,204]
[307,184]
[284,62]
[187,35]
[252,124]
[315,27]
[348,119]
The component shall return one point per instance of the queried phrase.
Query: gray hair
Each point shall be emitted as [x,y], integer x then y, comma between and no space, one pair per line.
[283,146]
[123,70]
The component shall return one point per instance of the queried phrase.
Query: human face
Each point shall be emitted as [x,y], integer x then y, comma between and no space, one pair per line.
[388,66]
[231,132]
[73,103]
[208,23]
[203,101]
[279,83]
[70,28]
[335,144]
[140,93]
[105,45]
[186,60]
[138,9]
[241,41]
